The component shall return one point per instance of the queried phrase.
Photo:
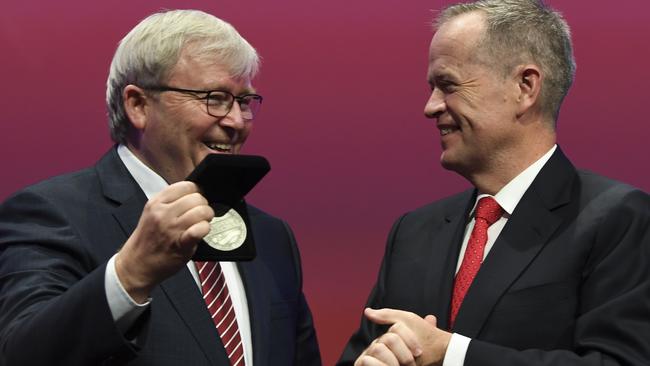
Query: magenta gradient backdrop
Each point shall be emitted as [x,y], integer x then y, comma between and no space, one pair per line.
[342,123]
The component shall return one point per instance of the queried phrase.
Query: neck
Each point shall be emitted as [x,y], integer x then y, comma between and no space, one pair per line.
[148,159]
[506,165]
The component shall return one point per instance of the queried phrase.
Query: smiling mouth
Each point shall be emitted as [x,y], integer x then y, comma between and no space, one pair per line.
[447,130]
[218,147]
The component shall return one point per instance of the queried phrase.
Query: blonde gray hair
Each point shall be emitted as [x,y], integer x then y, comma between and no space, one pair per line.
[148,53]
[522,31]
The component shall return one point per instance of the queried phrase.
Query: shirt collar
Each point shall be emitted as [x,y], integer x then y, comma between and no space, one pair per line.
[510,195]
[149,181]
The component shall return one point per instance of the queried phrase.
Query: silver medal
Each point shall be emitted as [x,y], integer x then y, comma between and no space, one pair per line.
[227,232]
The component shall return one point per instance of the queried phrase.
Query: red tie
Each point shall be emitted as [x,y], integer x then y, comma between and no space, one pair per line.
[488,212]
[217,298]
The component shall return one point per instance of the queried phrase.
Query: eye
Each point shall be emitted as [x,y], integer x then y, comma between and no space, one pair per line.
[444,83]
[446,86]
[249,102]
[245,101]
[218,99]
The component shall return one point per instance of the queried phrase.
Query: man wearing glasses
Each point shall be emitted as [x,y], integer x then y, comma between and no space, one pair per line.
[95,265]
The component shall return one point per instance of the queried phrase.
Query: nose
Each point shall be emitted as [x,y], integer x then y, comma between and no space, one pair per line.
[435,106]
[234,118]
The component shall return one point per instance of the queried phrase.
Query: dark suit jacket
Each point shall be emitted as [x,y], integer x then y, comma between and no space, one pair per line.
[567,281]
[55,240]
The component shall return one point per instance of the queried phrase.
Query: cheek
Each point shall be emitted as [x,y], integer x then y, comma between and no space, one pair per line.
[198,127]
[460,109]
[245,132]
[469,99]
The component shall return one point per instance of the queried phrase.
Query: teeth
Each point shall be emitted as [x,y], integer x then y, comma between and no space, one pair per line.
[221,147]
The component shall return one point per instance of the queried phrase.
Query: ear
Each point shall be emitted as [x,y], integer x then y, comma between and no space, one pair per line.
[135,103]
[529,84]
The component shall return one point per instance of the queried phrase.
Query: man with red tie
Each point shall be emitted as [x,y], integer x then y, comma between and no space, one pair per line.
[539,263]
[95,266]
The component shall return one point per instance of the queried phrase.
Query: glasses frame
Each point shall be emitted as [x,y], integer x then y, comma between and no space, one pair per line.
[238,98]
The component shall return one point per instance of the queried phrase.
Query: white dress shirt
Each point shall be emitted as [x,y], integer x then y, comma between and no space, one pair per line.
[125,310]
[508,198]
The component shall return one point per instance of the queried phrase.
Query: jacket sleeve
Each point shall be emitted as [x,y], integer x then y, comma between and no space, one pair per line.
[53,307]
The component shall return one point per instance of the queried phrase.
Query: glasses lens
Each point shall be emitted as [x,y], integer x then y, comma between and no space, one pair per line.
[219,103]
[249,105]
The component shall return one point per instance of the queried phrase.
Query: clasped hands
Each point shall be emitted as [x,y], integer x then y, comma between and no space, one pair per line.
[411,340]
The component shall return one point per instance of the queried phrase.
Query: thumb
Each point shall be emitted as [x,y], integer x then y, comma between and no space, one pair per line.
[387,316]
[378,316]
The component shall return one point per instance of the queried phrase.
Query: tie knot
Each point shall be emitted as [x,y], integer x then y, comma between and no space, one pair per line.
[489,210]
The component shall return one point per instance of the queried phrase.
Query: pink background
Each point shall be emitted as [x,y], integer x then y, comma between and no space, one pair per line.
[342,123]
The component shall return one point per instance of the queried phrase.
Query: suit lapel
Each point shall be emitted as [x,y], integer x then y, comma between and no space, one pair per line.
[441,270]
[254,278]
[184,295]
[529,228]
[128,214]
[119,186]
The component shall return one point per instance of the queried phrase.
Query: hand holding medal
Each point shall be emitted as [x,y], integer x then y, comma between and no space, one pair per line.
[224,180]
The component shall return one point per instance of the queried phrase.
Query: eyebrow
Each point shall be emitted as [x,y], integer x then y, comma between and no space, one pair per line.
[436,79]
[250,90]
[247,90]
[444,75]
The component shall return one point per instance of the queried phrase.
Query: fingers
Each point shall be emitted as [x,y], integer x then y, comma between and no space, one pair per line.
[194,233]
[398,348]
[194,215]
[407,337]
[431,320]
[389,349]
[377,353]
[186,203]
[410,334]
[403,325]
[177,209]
[366,360]
[194,219]
[176,191]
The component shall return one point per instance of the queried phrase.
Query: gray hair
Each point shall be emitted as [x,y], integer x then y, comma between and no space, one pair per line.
[520,31]
[148,53]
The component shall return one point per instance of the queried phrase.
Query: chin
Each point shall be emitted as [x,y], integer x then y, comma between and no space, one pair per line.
[450,166]
[449,163]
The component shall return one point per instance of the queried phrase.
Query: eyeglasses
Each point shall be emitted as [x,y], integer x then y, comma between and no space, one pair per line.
[218,103]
